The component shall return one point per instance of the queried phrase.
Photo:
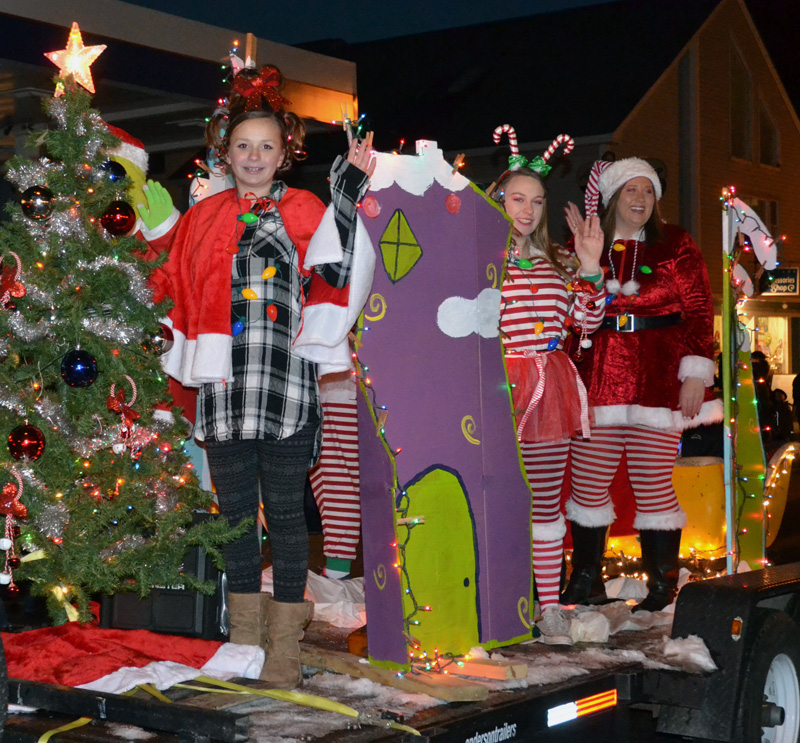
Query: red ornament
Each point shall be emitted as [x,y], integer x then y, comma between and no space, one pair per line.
[232,249]
[119,219]
[10,285]
[272,312]
[453,204]
[9,501]
[26,443]
[371,207]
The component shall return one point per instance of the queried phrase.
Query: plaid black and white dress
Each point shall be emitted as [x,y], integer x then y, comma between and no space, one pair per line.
[274,392]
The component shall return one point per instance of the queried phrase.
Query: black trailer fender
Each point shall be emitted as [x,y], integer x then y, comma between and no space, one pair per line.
[747,621]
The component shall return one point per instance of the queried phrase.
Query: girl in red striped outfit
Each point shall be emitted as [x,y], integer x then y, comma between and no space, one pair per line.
[544,290]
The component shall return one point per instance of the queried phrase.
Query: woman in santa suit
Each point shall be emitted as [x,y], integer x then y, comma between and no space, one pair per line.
[648,375]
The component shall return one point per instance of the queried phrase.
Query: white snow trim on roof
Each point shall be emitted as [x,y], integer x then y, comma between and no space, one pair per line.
[416,173]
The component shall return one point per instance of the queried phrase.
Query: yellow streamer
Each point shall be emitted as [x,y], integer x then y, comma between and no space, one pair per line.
[72,612]
[491,274]
[31,556]
[152,691]
[79,723]
[306,700]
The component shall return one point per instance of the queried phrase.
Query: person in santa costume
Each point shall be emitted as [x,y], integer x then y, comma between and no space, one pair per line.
[649,376]
[266,284]
[544,290]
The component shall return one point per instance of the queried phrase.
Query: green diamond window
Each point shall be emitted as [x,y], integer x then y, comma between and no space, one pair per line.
[400,250]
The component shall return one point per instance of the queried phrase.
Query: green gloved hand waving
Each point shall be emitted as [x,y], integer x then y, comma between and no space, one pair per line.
[159,205]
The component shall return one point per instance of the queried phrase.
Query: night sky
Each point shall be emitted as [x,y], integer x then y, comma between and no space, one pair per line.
[301,21]
[311,20]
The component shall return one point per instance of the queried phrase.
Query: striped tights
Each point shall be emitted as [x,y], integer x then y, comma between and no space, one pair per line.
[335,480]
[545,465]
[650,454]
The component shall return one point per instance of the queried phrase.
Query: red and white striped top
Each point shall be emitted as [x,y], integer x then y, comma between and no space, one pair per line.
[539,295]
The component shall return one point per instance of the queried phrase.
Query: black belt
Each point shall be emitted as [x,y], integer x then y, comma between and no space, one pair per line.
[638,322]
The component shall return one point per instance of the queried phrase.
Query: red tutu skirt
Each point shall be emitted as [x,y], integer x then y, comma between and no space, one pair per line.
[553,411]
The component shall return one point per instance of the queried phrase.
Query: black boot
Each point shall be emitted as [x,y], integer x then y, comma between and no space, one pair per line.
[660,550]
[586,581]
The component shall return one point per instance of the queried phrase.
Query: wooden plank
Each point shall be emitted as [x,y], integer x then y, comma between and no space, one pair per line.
[445,687]
[496,670]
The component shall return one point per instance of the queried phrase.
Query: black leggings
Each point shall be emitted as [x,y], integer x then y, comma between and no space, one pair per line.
[282,467]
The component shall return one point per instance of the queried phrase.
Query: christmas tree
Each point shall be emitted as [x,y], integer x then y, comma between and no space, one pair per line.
[98,494]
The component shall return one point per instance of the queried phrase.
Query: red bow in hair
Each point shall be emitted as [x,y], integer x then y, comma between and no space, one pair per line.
[117,404]
[265,87]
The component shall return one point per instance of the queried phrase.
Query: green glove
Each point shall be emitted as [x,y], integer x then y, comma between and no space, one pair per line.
[159,205]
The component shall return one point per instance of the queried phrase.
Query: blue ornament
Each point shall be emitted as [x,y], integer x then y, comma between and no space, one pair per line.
[79,368]
[552,344]
[237,328]
[610,298]
[113,171]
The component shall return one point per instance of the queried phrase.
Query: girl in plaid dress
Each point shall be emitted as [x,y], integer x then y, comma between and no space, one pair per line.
[238,278]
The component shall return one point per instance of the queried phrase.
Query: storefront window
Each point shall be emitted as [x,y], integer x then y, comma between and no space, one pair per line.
[770,334]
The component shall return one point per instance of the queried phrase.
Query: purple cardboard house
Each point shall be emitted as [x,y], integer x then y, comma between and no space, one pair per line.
[446,508]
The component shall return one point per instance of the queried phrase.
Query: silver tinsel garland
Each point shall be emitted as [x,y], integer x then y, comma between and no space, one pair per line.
[52,520]
[112,330]
[28,331]
[33,173]
[131,542]
[138,281]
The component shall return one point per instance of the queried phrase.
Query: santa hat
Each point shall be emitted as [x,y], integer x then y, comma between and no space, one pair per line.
[606,178]
[130,149]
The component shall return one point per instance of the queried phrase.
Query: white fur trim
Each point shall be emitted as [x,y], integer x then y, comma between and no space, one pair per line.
[161,229]
[630,287]
[660,521]
[323,338]
[584,516]
[619,173]
[192,363]
[661,418]
[325,245]
[553,532]
[699,367]
[133,154]
[613,286]
[339,387]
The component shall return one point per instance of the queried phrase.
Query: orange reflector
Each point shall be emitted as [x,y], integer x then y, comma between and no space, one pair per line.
[585,706]
[736,628]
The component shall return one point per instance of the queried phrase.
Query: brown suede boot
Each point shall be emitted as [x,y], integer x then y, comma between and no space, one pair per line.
[285,625]
[248,612]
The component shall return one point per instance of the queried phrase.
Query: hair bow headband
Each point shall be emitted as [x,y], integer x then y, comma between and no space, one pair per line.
[539,163]
[261,88]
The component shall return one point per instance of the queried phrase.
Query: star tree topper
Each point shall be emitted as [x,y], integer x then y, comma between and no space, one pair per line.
[76,59]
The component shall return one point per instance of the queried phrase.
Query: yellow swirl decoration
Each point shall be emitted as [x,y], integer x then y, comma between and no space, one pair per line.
[491,274]
[376,304]
[522,609]
[468,428]
[380,576]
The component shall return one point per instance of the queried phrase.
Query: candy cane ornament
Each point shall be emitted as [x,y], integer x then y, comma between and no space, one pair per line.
[566,140]
[512,137]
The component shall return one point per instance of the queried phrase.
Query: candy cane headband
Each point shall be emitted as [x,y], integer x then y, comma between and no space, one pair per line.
[539,163]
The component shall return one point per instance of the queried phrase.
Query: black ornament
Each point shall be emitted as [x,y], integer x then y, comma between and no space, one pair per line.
[114,171]
[79,368]
[37,202]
